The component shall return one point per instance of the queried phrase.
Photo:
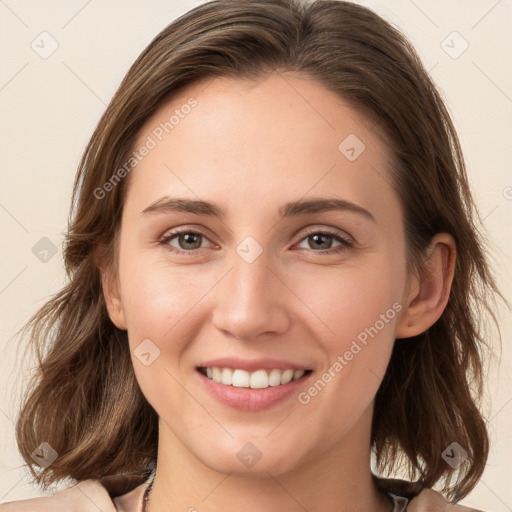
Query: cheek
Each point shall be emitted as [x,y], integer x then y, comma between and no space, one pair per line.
[356,310]
[156,295]
[345,301]
[160,302]
[356,330]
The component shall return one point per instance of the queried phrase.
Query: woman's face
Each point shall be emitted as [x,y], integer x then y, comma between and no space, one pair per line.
[273,282]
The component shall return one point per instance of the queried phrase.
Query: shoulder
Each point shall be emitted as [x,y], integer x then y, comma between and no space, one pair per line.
[109,494]
[86,496]
[420,499]
[91,496]
[429,500]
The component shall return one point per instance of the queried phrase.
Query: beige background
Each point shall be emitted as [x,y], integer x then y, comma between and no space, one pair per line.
[49,107]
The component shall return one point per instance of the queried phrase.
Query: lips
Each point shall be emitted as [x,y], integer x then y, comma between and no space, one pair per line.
[252,384]
[251,399]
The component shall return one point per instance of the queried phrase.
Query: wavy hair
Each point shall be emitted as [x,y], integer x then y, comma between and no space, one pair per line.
[84,399]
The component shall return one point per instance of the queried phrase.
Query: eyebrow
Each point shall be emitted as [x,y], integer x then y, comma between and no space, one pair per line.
[293,208]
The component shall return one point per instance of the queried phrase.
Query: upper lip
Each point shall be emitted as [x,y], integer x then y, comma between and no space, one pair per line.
[251,365]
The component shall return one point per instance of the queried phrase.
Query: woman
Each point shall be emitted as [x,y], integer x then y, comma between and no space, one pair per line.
[207,354]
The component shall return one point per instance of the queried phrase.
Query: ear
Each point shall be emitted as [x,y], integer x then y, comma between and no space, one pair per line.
[429,292]
[112,296]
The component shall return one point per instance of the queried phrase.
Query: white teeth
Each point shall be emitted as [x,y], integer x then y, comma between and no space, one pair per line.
[227,376]
[241,379]
[297,374]
[260,379]
[286,376]
[274,379]
[217,374]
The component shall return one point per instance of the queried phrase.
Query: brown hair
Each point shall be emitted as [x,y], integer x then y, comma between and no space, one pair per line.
[85,400]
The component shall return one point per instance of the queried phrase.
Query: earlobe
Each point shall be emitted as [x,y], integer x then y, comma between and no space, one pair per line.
[112,298]
[429,293]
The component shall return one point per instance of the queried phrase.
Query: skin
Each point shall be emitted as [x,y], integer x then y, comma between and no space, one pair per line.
[250,148]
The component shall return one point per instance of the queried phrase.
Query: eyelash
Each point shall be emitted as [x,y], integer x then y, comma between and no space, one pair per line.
[345,242]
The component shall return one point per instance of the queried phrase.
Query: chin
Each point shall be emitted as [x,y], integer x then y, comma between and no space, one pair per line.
[249,461]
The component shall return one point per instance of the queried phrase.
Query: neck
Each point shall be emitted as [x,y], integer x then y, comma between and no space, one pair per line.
[339,479]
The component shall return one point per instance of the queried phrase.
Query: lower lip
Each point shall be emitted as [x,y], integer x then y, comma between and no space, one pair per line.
[247,399]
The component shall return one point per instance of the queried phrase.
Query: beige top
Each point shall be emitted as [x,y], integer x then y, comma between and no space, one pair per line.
[91,496]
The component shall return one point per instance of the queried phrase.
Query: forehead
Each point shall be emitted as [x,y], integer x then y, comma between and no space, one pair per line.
[257,140]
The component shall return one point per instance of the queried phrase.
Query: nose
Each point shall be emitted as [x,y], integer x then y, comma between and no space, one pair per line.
[252,300]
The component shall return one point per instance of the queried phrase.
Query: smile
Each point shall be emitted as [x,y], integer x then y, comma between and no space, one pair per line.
[259,379]
[252,391]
